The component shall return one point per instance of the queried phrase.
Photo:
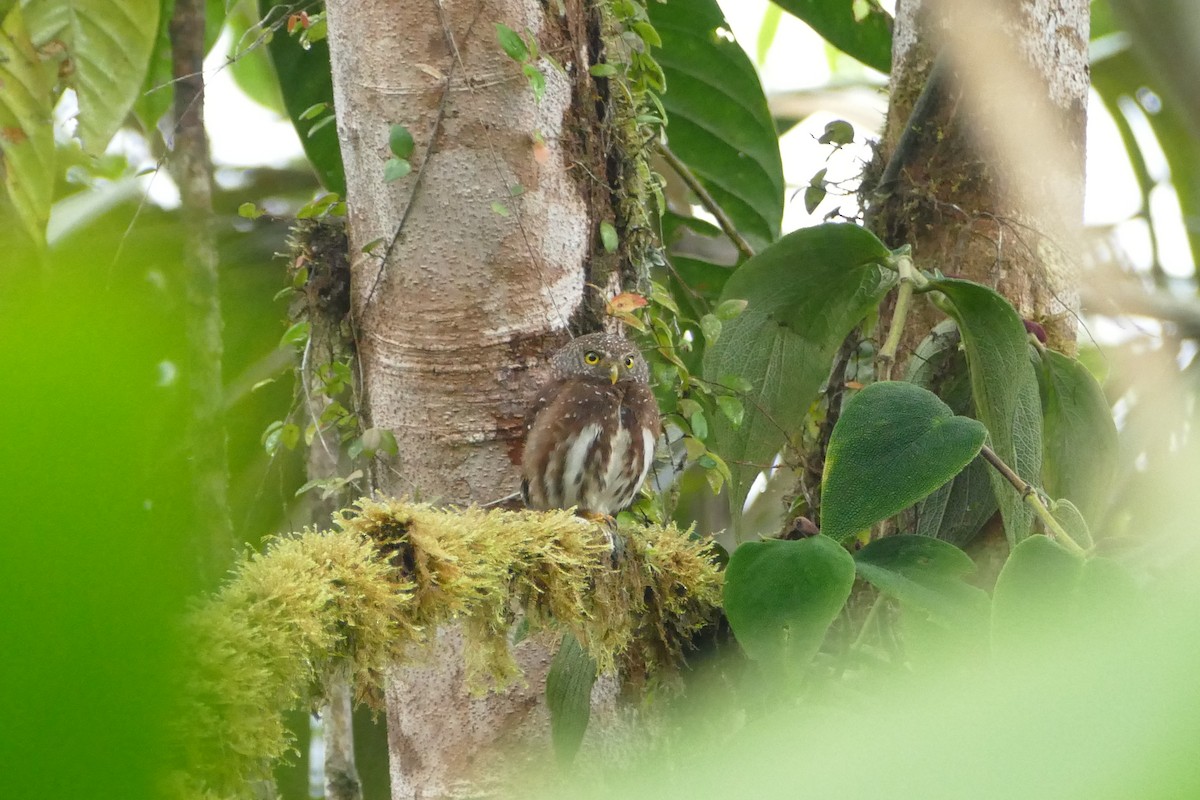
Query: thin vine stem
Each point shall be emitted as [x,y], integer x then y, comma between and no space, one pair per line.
[1031,498]
[886,357]
[706,200]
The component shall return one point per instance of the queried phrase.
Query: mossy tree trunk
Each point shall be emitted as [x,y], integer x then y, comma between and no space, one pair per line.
[989,182]
[465,274]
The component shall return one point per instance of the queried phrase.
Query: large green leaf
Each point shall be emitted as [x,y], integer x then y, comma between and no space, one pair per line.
[109,43]
[956,512]
[26,133]
[1036,587]
[1043,590]
[781,597]
[569,696]
[718,121]
[1080,437]
[927,574]
[893,444]
[1005,390]
[305,81]
[805,293]
[868,40]
[1121,78]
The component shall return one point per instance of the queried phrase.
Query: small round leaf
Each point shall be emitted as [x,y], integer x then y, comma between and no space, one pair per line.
[400,142]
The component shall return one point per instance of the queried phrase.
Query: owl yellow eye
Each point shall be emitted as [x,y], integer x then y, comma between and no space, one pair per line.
[628,362]
[591,358]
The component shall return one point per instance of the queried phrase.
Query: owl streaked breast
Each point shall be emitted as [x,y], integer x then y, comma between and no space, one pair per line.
[592,429]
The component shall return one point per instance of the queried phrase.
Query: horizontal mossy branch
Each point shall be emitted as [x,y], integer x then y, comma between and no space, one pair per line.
[386,578]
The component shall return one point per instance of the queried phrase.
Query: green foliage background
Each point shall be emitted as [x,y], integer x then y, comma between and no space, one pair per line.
[1073,678]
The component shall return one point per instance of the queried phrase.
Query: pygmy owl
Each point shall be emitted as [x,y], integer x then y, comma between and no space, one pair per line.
[592,429]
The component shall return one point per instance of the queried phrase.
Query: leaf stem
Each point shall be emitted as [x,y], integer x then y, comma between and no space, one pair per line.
[872,613]
[706,200]
[1031,498]
[886,357]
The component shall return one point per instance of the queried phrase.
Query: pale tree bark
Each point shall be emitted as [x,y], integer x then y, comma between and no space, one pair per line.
[989,184]
[481,263]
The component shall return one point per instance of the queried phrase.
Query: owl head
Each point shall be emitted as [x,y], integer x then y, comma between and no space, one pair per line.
[602,356]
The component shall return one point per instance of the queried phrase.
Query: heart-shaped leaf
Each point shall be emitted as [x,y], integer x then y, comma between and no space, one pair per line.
[781,597]
[806,293]
[1043,590]
[893,444]
[927,574]
[957,512]
[1005,390]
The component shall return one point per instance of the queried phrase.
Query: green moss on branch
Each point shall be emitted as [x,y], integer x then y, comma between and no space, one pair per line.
[385,579]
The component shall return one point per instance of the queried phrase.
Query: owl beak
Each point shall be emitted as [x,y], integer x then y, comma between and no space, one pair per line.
[614,372]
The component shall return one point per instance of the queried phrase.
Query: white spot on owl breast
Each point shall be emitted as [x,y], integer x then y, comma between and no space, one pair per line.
[647,453]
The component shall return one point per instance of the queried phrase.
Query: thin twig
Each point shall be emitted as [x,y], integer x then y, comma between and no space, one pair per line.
[416,186]
[1031,498]
[706,200]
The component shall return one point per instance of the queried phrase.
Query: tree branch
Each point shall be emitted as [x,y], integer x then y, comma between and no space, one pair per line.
[191,168]
[342,605]
[927,105]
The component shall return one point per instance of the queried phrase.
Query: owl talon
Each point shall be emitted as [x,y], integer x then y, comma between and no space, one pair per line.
[616,542]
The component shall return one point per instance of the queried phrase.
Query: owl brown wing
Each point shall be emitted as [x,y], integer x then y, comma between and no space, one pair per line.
[639,409]
[543,399]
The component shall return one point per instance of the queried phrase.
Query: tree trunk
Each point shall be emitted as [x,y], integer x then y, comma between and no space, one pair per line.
[987,182]
[191,167]
[465,274]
